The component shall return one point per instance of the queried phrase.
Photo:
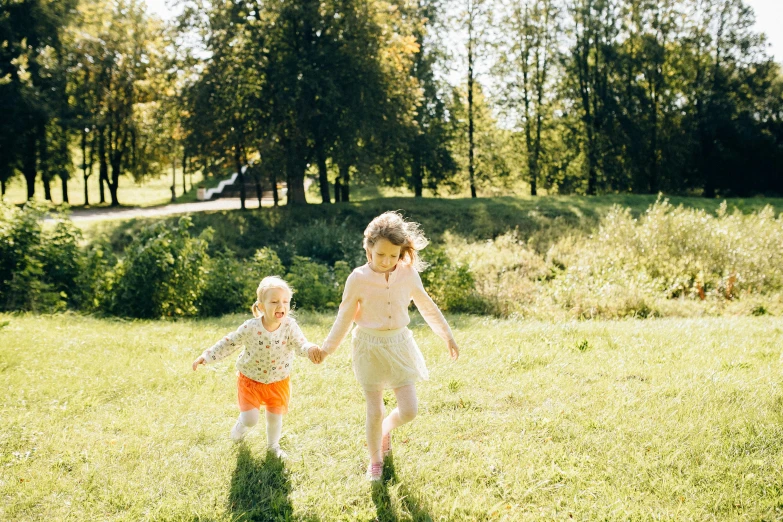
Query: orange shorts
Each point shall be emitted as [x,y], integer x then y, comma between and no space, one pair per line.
[253,394]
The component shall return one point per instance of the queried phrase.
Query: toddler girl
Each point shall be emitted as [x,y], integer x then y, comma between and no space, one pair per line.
[270,339]
[385,355]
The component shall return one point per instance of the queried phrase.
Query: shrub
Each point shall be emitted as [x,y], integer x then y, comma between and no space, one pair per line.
[505,270]
[37,268]
[322,242]
[231,283]
[162,273]
[63,260]
[450,284]
[96,280]
[316,285]
[677,252]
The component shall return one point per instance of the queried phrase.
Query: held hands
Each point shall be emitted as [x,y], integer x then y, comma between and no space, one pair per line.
[451,345]
[198,361]
[316,355]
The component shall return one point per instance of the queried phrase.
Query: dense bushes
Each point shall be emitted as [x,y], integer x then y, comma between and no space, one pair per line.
[668,261]
[231,283]
[162,273]
[163,270]
[37,267]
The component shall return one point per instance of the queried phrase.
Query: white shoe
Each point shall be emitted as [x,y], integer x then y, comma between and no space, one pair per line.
[239,431]
[277,452]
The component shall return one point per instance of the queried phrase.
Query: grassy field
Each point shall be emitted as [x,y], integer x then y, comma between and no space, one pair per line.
[667,419]
[541,221]
[151,192]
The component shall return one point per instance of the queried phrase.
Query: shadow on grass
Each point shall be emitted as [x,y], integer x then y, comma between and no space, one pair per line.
[391,496]
[260,488]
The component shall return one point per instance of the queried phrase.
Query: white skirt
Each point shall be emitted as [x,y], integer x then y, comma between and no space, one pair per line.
[386,358]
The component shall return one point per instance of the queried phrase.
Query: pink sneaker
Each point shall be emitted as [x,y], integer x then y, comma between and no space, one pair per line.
[375,471]
[386,445]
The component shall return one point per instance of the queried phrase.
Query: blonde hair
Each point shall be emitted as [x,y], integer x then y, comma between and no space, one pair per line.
[266,284]
[407,235]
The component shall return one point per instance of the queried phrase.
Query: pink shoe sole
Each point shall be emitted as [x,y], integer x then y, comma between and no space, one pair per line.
[375,471]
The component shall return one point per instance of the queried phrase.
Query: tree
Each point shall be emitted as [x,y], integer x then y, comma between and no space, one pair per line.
[30,86]
[116,50]
[527,58]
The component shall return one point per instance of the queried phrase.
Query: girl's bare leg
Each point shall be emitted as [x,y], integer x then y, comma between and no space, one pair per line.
[374,424]
[406,410]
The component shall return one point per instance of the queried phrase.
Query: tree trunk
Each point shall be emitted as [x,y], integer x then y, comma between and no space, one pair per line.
[29,165]
[114,181]
[65,188]
[418,176]
[471,168]
[592,174]
[173,179]
[103,165]
[345,184]
[184,170]
[47,188]
[323,177]
[240,174]
[296,163]
[259,188]
[46,174]
[275,195]
[64,172]
[84,166]
[338,189]
[117,147]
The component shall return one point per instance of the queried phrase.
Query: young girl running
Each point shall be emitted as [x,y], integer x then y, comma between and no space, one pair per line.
[270,339]
[385,355]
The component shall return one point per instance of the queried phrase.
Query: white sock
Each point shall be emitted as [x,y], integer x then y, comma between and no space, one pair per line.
[274,428]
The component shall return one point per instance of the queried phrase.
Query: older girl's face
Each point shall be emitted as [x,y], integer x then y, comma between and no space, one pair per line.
[383,256]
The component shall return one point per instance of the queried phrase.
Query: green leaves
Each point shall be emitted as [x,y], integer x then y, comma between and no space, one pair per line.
[162,273]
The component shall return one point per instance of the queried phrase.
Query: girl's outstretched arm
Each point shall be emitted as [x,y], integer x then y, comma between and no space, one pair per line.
[301,346]
[432,314]
[226,346]
[345,316]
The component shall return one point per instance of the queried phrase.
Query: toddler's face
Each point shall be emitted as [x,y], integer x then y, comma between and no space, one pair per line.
[276,304]
[383,256]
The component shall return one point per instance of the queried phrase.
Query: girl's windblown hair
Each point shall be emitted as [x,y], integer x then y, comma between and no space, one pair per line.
[268,283]
[392,227]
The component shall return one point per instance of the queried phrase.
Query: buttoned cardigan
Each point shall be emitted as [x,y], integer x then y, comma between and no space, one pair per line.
[371,301]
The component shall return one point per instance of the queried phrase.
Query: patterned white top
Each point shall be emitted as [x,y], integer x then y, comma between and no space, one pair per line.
[268,356]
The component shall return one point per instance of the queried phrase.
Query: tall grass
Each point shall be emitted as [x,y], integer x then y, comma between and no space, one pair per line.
[658,419]
[667,261]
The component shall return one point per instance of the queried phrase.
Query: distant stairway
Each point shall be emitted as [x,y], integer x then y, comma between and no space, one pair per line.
[230,188]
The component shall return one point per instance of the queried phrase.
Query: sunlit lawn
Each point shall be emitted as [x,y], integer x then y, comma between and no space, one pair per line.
[152,191]
[657,419]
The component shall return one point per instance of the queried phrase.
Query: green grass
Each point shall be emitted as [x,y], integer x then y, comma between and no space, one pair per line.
[540,221]
[150,192]
[657,419]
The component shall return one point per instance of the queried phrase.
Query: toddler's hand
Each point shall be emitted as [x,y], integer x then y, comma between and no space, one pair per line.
[315,355]
[453,349]
[198,361]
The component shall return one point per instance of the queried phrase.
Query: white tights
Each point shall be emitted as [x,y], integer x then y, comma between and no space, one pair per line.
[274,424]
[377,426]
